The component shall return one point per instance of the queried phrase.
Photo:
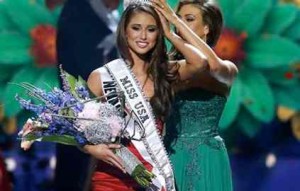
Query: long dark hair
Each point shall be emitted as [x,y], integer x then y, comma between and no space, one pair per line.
[159,70]
[212,16]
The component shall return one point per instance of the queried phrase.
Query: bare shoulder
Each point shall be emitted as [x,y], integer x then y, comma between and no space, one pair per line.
[94,82]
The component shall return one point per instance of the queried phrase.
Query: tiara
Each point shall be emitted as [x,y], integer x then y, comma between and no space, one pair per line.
[126,3]
[194,1]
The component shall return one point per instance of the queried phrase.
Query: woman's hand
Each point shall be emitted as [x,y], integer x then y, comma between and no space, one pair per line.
[165,14]
[163,7]
[105,153]
[165,25]
[194,60]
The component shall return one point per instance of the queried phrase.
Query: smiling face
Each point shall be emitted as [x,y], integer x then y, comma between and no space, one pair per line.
[141,33]
[192,16]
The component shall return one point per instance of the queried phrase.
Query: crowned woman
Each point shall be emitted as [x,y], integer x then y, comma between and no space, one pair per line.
[141,75]
[147,78]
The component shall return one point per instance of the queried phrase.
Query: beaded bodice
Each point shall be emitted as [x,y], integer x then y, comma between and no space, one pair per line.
[192,140]
[196,113]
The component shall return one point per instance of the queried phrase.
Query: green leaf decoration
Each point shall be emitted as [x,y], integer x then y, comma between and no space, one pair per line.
[48,79]
[41,14]
[5,24]
[2,86]
[19,18]
[293,32]
[257,95]
[27,14]
[15,57]
[288,96]
[56,12]
[6,71]
[13,40]
[26,74]
[248,124]
[280,18]
[232,106]
[62,139]
[228,7]
[268,74]
[41,2]
[271,51]
[247,17]
[280,75]
[173,3]
[120,8]
[14,49]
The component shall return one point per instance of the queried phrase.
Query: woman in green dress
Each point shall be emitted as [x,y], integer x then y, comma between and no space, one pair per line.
[198,153]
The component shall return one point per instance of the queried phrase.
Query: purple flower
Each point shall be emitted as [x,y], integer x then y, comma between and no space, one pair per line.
[46,117]
[82,92]
[27,104]
[70,111]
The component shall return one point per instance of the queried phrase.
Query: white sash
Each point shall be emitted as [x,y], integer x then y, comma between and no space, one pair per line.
[150,147]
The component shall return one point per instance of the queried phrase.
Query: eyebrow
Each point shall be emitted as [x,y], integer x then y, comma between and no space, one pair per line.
[152,26]
[187,15]
[141,25]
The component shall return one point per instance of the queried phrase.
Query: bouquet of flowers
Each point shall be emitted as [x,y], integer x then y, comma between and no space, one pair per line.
[72,116]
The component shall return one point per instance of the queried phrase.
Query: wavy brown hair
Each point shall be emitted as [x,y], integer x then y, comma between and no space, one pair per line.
[212,16]
[159,70]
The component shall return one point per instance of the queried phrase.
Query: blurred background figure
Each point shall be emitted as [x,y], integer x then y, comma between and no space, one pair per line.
[85,37]
[5,183]
[85,41]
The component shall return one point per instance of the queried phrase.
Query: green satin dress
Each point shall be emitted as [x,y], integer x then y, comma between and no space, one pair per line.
[197,152]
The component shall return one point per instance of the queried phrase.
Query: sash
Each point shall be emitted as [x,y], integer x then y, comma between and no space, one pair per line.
[150,146]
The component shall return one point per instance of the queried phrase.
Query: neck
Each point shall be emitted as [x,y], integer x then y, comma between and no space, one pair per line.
[140,64]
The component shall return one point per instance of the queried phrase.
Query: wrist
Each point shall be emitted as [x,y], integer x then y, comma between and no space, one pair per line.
[169,35]
[172,36]
[176,21]
[85,148]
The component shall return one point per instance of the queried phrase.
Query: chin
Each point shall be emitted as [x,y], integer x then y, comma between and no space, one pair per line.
[142,51]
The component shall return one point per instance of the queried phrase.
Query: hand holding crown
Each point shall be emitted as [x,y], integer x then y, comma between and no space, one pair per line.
[162,7]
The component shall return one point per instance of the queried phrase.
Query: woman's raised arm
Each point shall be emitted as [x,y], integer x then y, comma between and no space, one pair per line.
[223,71]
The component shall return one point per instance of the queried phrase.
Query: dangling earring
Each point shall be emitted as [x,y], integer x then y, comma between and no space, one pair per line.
[205,38]
[205,33]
